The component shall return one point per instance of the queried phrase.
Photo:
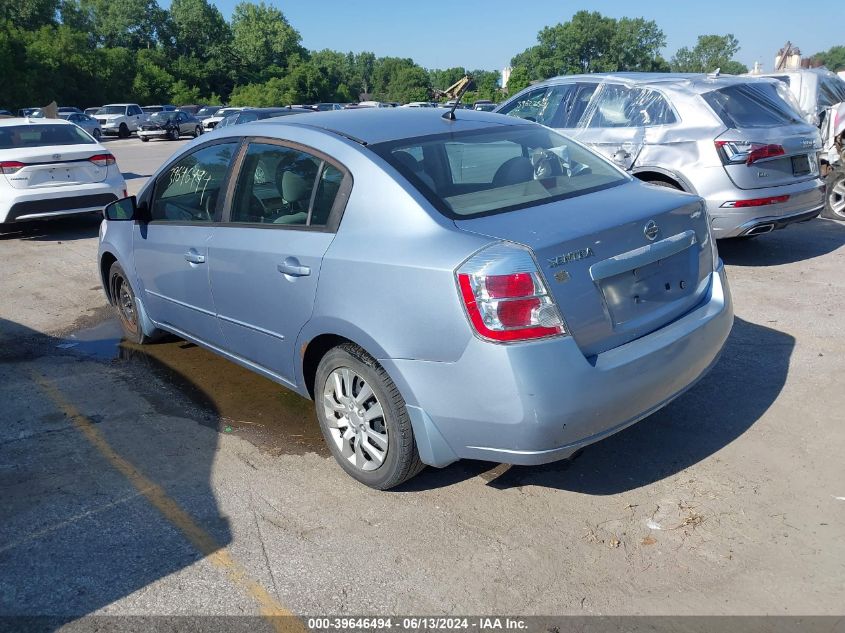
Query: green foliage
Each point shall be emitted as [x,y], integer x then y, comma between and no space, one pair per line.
[591,42]
[709,53]
[833,58]
[183,94]
[263,40]
[152,82]
[132,24]
[29,14]
[519,80]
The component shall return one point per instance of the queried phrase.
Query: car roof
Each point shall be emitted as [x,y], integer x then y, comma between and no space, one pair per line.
[692,82]
[25,121]
[378,125]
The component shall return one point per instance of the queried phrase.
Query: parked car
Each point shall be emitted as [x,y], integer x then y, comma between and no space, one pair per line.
[92,111]
[482,288]
[120,119]
[51,168]
[324,107]
[28,112]
[190,109]
[152,109]
[255,114]
[417,104]
[87,123]
[68,110]
[211,122]
[170,125]
[820,97]
[732,140]
[208,111]
[6,113]
[484,107]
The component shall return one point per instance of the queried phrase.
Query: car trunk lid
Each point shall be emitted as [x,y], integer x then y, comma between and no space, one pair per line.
[611,282]
[55,166]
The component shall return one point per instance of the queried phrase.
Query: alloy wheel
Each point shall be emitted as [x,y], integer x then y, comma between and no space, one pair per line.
[126,303]
[355,419]
[836,198]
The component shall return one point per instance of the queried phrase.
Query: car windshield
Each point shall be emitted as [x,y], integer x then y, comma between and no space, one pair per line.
[163,117]
[112,110]
[17,136]
[496,170]
[751,105]
[207,111]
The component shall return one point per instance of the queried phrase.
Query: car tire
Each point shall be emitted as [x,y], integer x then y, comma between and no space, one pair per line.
[126,306]
[381,453]
[173,134]
[197,131]
[96,134]
[144,139]
[123,131]
[834,195]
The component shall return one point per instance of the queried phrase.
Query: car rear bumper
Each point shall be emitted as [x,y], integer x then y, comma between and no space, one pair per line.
[540,402]
[36,204]
[806,199]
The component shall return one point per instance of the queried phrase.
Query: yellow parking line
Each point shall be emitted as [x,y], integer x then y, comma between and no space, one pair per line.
[204,542]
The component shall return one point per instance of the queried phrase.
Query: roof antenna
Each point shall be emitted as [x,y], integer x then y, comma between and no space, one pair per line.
[462,86]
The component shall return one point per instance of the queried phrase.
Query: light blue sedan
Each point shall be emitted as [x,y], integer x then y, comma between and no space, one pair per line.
[479,287]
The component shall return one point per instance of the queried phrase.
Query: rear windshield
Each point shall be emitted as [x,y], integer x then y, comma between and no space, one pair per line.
[16,136]
[505,168]
[751,105]
[112,110]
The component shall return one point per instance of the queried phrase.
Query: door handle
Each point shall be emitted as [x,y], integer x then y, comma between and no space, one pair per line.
[292,267]
[194,258]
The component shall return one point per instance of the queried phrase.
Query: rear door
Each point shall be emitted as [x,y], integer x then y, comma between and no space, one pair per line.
[266,258]
[617,119]
[767,144]
[172,249]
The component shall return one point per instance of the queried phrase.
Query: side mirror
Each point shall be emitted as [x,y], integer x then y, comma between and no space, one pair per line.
[123,209]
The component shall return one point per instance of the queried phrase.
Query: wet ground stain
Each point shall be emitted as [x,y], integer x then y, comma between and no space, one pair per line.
[178,377]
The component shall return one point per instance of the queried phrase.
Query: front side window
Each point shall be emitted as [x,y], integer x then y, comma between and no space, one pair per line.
[112,110]
[189,189]
[500,169]
[284,186]
[543,105]
[18,136]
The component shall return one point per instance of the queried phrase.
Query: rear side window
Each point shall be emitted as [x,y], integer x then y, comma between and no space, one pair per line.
[17,136]
[475,173]
[284,186]
[189,189]
[616,105]
[750,105]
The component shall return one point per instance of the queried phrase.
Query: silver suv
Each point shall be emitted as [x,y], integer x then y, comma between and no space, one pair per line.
[732,140]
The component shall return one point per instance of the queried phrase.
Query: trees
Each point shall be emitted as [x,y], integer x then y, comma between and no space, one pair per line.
[132,24]
[709,53]
[833,58]
[263,41]
[590,42]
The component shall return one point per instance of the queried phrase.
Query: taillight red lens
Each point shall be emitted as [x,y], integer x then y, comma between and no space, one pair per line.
[755,202]
[766,151]
[507,306]
[515,285]
[102,160]
[10,166]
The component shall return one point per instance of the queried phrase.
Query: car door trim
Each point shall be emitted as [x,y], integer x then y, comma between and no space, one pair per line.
[249,326]
[180,303]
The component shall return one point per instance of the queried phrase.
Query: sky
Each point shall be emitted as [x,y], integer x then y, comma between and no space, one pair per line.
[486,34]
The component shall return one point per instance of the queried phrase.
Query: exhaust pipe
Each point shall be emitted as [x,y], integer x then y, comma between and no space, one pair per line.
[760,229]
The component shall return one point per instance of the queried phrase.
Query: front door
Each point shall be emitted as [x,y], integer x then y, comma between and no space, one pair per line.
[172,249]
[266,257]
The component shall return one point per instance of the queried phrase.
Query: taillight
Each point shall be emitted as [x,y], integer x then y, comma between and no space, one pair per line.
[505,296]
[10,166]
[102,160]
[737,152]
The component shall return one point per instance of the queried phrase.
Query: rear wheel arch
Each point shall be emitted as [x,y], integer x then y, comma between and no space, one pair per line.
[660,177]
[313,353]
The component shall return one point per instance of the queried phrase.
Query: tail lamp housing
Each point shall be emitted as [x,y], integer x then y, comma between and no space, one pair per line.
[738,152]
[505,297]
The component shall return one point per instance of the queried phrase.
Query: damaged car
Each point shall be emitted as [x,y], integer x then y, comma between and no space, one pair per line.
[170,125]
[734,141]
[476,287]
[820,97]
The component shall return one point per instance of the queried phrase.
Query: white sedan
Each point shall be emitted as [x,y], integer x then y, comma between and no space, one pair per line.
[51,167]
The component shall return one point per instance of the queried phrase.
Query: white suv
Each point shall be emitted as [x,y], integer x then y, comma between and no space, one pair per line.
[120,119]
